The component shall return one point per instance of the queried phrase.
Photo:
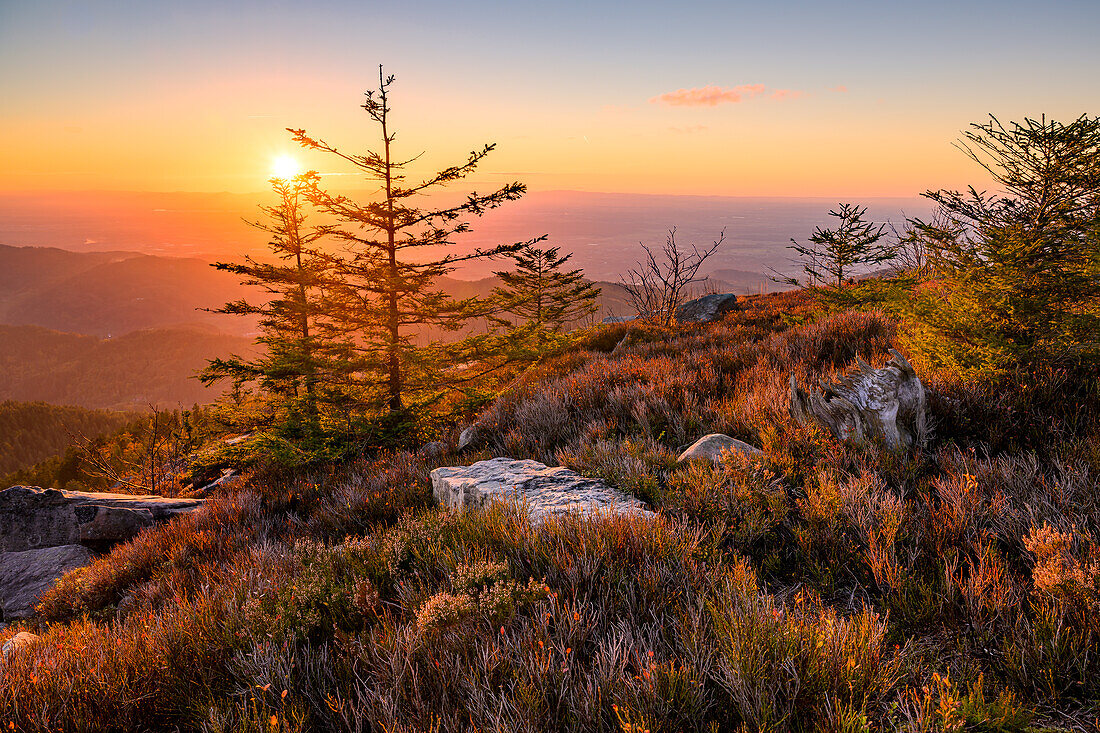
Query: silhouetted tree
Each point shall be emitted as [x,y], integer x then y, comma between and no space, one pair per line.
[386,296]
[543,299]
[1018,273]
[302,360]
[833,254]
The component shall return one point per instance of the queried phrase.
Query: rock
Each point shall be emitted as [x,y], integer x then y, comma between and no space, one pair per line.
[714,445]
[617,319]
[20,641]
[434,449]
[543,491]
[468,437]
[33,518]
[887,404]
[706,309]
[26,576]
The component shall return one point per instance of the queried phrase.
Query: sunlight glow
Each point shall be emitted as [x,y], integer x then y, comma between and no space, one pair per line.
[285,167]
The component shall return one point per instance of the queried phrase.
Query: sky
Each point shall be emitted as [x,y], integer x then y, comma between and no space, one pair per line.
[708,98]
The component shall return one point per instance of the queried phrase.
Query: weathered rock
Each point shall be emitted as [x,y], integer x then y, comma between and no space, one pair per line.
[434,449]
[706,309]
[711,447]
[541,490]
[617,319]
[26,576]
[468,437]
[887,404]
[32,517]
[20,641]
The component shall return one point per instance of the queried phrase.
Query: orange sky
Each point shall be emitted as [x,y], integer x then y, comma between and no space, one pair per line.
[718,98]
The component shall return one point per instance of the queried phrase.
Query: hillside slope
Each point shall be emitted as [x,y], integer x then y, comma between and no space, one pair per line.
[820,586]
[126,373]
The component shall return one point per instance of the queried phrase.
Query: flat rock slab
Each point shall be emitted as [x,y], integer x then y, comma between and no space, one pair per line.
[714,445]
[32,517]
[540,489]
[26,576]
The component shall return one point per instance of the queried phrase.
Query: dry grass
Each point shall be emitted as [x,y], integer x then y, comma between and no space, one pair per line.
[825,587]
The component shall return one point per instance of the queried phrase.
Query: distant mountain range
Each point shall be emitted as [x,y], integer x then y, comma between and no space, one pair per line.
[110,294]
[113,293]
[123,330]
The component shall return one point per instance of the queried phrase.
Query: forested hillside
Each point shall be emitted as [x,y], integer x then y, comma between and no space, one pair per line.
[33,431]
[130,372]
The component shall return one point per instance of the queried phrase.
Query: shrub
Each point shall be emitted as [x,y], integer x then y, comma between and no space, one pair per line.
[746,498]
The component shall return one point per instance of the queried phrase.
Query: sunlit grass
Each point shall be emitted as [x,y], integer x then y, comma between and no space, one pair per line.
[823,587]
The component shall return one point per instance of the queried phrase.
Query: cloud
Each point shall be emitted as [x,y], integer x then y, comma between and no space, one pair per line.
[839,88]
[708,96]
[711,96]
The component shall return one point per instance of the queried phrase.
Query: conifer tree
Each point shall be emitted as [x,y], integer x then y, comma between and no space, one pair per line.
[542,298]
[387,297]
[300,363]
[1018,272]
[833,254]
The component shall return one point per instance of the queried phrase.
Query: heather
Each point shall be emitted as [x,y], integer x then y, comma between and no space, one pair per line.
[826,586]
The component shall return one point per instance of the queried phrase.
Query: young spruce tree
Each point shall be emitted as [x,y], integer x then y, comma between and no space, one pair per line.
[833,254]
[387,299]
[300,366]
[543,300]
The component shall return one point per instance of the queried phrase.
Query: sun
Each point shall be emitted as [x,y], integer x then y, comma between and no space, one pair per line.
[284,166]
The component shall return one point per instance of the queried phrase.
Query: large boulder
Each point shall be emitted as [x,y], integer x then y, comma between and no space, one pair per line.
[713,446]
[541,490]
[26,576]
[32,517]
[887,404]
[706,309]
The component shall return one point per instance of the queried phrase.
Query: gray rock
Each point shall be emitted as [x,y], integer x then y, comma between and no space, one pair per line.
[888,404]
[617,319]
[541,490]
[33,518]
[468,437]
[434,449]
[706,309]
[21,640]
[26,576]
[110,523]
[711,447]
